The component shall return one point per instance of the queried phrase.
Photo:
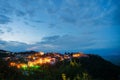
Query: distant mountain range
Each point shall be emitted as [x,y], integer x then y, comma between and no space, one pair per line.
[113,58]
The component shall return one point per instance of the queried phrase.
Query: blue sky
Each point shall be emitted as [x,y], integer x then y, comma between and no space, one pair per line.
[60,25]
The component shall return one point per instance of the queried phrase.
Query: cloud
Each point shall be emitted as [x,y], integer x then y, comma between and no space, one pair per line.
[37,21]
[2,42]
[4,19]
[1,32]
[20,13]
[8,29]
[51,38]
[68,19]
[5,29]
[65,42]
[32,48]
[57,43]
[67,11]
[117,13]
[87,13]
[53,6]
[5,8]
[52,25]
[87,17]
[13,46]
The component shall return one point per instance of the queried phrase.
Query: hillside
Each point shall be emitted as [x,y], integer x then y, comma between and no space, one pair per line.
[67,67]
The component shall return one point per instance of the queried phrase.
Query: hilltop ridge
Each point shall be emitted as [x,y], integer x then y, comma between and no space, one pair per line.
[55,66]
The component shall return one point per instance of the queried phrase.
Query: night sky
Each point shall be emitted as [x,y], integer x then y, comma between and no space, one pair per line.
[91,26]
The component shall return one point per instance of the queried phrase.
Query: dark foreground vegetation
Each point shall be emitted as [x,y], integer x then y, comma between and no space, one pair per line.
[84,68]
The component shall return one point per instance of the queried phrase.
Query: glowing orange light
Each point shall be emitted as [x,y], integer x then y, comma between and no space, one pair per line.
[47,60]
[12,64]
[18,66]
[34,60]
[30,64]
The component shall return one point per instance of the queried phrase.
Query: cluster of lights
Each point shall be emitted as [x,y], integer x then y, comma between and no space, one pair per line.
[37,60]
[77,55]
[24,66]
[40,61]
[18,65]
[34,64]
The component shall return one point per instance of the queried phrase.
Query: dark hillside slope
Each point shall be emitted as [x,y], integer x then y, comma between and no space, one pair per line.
[97,67]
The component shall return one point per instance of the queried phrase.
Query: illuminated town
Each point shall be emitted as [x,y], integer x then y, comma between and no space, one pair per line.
[32,65]
[39,58]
